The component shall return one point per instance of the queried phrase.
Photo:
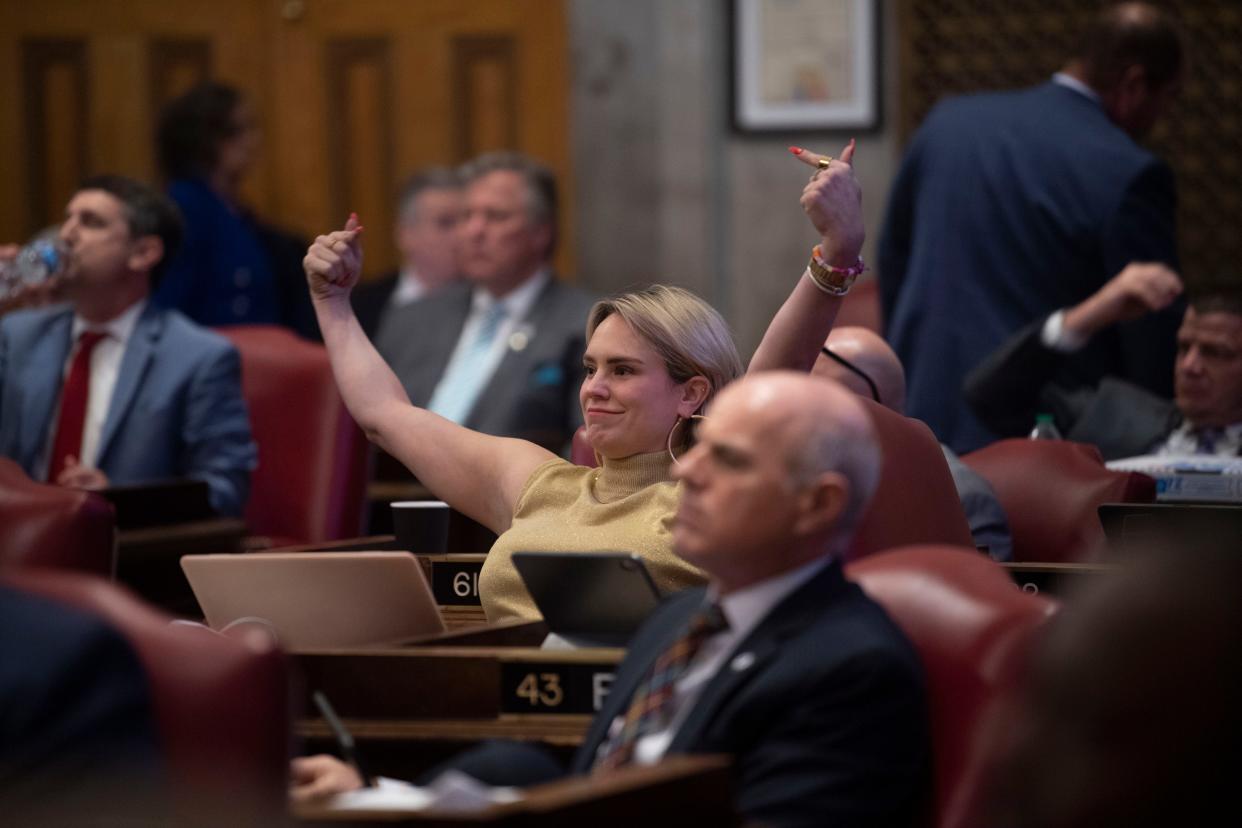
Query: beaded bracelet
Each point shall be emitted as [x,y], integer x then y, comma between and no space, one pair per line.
[835,281]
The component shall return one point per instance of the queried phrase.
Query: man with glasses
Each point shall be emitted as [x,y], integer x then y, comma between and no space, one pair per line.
[865,364]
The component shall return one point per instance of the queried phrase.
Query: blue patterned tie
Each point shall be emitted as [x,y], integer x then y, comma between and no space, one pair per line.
[463,381]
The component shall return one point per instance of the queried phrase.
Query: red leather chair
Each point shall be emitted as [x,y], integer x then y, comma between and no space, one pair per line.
[311,481]
[916,500]
[1050,490]
[44,525]
[221,703]
[973,629]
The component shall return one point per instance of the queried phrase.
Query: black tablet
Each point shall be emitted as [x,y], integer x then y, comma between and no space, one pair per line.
[589,598]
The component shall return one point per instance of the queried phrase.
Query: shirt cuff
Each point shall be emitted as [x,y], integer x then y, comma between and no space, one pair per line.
[1054,335]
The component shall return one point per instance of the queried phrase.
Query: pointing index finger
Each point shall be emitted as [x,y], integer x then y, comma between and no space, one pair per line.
[812,159]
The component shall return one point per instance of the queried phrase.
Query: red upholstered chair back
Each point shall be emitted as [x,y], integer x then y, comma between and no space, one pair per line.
[973,629]
[916,500]
[1050,490]
[44,525]
[221,703]
[311,481]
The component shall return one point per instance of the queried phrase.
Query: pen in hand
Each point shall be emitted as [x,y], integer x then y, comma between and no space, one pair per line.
[345,739]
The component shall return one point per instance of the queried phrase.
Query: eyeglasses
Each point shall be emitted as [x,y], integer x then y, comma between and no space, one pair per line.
[849,366]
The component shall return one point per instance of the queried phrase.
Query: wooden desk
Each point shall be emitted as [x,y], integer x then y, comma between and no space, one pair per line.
[460,693]
[412,708]
[675,788]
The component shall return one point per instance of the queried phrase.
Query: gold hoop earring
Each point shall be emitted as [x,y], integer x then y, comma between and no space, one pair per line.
[672,430]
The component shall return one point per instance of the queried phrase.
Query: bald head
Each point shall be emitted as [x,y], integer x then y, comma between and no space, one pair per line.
[870,354]
[785,465]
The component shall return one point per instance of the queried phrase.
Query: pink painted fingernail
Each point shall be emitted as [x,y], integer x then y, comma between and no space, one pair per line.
[796,150]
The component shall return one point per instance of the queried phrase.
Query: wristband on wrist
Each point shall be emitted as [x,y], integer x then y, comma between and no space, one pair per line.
[835,281]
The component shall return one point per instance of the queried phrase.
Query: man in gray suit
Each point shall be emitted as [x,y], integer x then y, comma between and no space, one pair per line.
[864,363]
[501,352]
[111,389]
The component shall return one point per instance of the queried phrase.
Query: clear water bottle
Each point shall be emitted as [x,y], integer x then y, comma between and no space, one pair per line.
[1045,428]
[35,263]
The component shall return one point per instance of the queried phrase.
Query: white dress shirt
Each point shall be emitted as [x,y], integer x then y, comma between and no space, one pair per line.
[517,304]
[1071,82]
[105,366]
[744,609]
[1184,442]
[409,289]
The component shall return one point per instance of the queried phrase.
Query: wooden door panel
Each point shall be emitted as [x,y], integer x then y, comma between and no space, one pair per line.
[80,84]
[371,90]
[352,96]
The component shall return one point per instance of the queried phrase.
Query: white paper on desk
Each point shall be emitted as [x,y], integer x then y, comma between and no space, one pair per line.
[1173,463]
[1192,478]
[451,791]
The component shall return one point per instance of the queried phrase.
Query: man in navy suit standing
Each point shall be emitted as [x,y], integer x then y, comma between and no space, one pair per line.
[111,389]
[1011,205]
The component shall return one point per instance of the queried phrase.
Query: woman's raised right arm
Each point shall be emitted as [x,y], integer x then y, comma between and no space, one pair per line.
[477,474]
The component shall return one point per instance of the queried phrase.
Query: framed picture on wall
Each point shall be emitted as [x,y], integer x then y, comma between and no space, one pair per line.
[805,64]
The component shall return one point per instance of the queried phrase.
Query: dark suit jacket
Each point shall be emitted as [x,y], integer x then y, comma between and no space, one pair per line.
[369,300]
[826,719]
[1007,207]
[76,730]
[1023,378]
[177,409]
[533,393]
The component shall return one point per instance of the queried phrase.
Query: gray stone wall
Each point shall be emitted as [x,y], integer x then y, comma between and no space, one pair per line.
[666,191]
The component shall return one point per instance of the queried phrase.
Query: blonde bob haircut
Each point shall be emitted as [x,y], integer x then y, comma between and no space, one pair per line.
[687,333]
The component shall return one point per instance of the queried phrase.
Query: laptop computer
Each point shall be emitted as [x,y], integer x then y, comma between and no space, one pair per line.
[1179,527]
[589,599]
[317,600]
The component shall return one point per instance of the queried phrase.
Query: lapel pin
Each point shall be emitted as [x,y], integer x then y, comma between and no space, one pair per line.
[742,661]
[518,340]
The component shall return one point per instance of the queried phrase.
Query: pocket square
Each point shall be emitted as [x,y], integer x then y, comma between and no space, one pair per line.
[547,373]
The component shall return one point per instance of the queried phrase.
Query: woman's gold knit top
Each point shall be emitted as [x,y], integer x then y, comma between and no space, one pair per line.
[624,506]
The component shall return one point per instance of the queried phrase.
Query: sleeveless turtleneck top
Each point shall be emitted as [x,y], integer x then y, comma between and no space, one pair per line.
[625,506]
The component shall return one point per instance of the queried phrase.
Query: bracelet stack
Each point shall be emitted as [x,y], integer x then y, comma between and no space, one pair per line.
[835,281]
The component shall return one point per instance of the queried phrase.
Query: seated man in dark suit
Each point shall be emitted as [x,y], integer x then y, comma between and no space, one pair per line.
[77,736]
[501,352]
[110,388]
[864,363]
[780,662]
[429,210]
[1033,372]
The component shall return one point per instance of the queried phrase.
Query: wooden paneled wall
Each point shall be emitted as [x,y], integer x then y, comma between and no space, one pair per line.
[352,96]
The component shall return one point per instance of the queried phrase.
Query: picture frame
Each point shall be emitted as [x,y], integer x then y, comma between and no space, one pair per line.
[801,65]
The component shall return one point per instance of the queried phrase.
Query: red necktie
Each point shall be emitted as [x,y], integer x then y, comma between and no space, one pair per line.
[73,399]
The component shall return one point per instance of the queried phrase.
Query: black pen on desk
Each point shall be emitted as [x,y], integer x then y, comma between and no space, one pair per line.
[349,752]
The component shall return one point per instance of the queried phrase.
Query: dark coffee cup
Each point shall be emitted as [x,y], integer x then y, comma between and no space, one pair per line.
[421,526]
